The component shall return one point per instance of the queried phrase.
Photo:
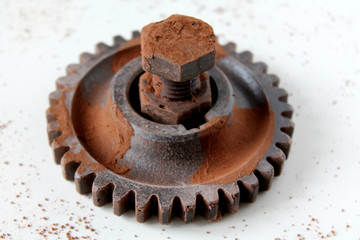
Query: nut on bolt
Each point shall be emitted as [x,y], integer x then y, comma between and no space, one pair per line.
[175,54]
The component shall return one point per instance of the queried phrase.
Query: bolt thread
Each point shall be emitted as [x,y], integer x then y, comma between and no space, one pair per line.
[177,91]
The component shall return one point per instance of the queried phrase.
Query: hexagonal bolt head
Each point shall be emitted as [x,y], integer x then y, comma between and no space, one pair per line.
[162,110]
[178,48]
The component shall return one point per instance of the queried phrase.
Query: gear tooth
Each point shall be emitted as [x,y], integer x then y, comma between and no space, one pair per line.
[84,178]
[258,67]
[287,126]
[72,69]
[58,150]
[135,34]
[283,138]
[164,215]
[286,110]
[281,94]
[277,164]
[249,187]
[265,173]
[123,200]
[101,47]
[188,206]
[229,198]
[230,48]
[245,57]
[69,165]
[273,79]
[276,160]
[62,82]
[277,153]
[53,131]
[284,143]
[65,82]
[184,208]
[210,203]
[118,40]
[102,190]
[207,205]
[145,206]
[49,116]
[165,210]
[54,97]
[85,57]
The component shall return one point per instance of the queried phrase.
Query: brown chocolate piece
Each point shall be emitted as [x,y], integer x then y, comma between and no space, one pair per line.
[176,51]
[104,141]
[178,48]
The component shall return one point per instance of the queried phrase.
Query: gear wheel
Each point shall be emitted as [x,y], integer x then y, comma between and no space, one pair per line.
[84,86]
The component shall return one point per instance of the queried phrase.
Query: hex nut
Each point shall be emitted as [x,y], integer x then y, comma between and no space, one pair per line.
[163,110]
[178,48]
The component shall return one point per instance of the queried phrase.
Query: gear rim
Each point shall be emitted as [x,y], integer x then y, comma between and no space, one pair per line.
[210,200]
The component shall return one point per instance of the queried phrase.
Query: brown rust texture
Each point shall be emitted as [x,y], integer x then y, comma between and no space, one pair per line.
[179,39]
[101,128]
[157,85]
[234,150]
[86,161]
[104,132]
[61,114]
[153,84]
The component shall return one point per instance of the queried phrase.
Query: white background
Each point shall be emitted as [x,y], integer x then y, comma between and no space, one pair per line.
[313,46]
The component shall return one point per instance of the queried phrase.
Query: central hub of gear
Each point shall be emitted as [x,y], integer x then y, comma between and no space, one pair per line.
[162,151]
[184,137]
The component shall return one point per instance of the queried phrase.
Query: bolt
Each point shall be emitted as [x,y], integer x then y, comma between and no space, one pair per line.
[176,51]
[175,54]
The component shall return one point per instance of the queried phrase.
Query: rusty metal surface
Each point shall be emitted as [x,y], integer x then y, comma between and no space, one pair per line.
[183,103]
[173,91]
[165,154]
[196,44]
[166,194]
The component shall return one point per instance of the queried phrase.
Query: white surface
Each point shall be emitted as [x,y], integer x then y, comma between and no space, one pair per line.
[312,47]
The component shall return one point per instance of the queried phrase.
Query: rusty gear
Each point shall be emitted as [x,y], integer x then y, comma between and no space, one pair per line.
[148,194]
